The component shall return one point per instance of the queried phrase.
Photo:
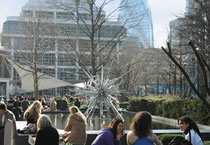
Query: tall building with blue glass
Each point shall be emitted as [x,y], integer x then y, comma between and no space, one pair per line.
[136,16]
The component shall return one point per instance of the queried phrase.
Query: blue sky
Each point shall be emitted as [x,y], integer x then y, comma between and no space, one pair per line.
[162,12]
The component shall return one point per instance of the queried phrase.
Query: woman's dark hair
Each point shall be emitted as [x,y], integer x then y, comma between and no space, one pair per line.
[3,106]
[142,124]
[192,124]
[113,126]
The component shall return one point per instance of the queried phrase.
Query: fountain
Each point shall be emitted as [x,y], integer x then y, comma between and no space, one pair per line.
[101,89]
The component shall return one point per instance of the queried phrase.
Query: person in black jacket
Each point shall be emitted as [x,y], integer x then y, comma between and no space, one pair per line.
[25,104]
[17,109]
[77,103]
[47,134]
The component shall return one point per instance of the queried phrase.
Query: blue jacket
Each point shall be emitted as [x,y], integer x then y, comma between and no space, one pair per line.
[105,137]
[143,141]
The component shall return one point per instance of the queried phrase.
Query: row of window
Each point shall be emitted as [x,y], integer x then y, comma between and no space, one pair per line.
[59,15]
[46,59]
[49,44]
[51,29]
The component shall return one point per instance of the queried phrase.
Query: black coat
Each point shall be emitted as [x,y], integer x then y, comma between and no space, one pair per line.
[47,136]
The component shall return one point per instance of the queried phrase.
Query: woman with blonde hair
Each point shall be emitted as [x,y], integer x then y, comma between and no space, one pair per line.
[76,127]
[33,112]
[47,134]
[141,130]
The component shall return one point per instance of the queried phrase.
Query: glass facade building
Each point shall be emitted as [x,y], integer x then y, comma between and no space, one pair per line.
[136,16]
[56,60]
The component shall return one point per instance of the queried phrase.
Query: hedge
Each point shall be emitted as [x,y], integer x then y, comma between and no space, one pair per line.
[171,107]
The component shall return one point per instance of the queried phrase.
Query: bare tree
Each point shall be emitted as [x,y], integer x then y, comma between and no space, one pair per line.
[31,51]
[203,65]
[152,68]
[178,42]
[99,37]
[147,69]
[195,25]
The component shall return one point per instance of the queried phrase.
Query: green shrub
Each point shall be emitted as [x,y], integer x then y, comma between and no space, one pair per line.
[171,107]
[124,105]
[199,111]
[206,142]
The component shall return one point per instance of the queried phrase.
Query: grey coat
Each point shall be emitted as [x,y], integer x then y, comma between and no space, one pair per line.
[8,115]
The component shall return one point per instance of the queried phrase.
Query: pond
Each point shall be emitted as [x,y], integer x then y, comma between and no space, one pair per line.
[60,120]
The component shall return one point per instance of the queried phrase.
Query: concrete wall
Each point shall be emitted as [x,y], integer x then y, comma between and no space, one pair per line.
[22,139]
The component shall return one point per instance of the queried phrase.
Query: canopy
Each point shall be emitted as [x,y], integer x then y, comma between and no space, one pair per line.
[46,81]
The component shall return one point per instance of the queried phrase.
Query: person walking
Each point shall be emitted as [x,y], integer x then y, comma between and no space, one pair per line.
[141,130]
[111,134]
[191,130]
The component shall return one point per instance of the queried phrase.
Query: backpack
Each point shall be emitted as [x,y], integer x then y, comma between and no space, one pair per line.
[179,140]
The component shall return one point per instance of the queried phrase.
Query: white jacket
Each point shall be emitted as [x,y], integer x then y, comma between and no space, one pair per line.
[195,138]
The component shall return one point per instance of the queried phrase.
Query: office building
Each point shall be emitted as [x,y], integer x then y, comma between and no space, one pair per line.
[137,17]
[60,31]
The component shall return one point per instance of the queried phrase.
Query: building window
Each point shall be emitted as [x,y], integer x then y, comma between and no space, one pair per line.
[66,45]
[48,71]
[27,14]
[66,60]
[67,75]
[64,16]
[47,15]
[47,59]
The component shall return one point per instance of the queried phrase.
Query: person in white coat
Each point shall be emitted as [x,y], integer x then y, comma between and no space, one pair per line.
[191,130]
[4,116]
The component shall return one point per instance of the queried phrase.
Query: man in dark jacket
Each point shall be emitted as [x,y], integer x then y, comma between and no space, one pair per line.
[25,104]
[17,108]
[77,103]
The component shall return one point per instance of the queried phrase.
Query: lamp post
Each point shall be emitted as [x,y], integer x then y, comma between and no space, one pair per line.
[77,3]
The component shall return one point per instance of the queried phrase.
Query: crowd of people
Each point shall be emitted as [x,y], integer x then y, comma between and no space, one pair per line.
[19,104]
[75,131]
